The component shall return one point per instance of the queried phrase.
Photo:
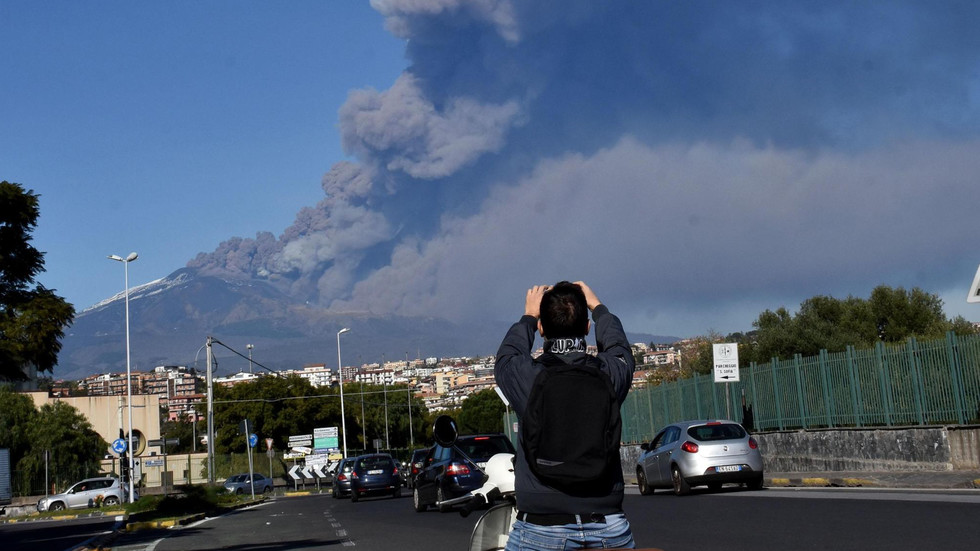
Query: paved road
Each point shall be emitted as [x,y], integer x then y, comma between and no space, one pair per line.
[839,519]
[53,535]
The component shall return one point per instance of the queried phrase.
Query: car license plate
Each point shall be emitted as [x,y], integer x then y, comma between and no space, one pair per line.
[376,471]
[728,468]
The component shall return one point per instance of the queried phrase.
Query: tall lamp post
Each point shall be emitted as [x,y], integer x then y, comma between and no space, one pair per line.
[340,373]
[250,347]
[129,382]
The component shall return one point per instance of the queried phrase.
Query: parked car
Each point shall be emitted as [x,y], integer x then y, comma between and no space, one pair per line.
[696,453]
[240,484]
[341,478]
[374,474]
[415,466]
[106,491]
[448,473]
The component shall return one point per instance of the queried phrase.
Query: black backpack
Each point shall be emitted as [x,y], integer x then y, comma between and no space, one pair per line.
[571,426]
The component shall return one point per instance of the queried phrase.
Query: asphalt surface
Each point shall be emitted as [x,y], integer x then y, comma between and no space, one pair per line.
[935,480]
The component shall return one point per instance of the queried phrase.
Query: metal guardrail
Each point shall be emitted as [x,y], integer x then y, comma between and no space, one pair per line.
[911,383]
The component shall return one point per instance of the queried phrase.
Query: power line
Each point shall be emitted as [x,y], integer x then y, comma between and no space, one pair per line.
[244,357]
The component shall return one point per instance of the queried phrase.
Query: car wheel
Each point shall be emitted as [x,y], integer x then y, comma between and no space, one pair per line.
[267,490]
[397,492]
[110,501]
[417,501]
[56,506]
[641,481]
[239,491]
[335,494]
[755,483]
[441,497]
[353,496]
[681,488]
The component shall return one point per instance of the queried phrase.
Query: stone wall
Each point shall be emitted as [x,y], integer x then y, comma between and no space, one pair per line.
[864,449]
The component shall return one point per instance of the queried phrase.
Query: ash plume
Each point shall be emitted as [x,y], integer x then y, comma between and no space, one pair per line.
[676,155]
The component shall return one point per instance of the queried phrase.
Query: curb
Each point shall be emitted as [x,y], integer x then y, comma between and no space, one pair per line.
[822,482]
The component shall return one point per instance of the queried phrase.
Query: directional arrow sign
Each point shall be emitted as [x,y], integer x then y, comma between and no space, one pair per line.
[293,471]
[307,472]
[318,472]
[119,446]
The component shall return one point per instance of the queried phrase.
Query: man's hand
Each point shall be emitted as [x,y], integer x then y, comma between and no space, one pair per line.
[590,299]
[532,304]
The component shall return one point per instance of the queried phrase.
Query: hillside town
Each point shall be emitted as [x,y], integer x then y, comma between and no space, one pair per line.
[442,383]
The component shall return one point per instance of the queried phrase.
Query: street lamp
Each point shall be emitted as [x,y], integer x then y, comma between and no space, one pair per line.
[340,373]
[250,347]
[129,383]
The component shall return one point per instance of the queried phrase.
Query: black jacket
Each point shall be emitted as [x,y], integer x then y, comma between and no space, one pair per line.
[515,371]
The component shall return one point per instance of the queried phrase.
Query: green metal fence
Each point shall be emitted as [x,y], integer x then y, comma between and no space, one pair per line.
[913,383]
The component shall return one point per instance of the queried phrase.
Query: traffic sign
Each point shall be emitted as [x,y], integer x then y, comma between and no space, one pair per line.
[325,438]
[726,362]
[253,439]
[119,446]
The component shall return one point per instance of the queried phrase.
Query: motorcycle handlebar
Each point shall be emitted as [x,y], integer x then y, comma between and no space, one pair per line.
[471,505]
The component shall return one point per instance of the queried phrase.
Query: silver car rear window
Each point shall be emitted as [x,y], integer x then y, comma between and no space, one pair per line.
[720,431]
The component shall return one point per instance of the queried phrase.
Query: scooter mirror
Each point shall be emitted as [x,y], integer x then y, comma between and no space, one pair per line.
[444,430]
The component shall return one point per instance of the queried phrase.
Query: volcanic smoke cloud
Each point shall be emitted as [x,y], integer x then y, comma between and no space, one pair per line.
[696,162]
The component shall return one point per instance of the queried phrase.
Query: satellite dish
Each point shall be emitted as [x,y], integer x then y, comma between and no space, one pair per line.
[974,294]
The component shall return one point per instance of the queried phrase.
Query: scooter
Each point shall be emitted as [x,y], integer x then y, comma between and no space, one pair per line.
[494,526]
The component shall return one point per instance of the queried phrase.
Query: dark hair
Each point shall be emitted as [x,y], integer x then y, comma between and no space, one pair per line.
[564,312]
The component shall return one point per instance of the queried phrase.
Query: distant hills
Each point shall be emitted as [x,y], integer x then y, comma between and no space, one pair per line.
[170,320]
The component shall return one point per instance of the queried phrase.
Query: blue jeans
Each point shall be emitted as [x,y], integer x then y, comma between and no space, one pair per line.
[612,534]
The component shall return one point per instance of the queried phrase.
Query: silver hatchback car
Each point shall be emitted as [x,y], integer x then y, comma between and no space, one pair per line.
[696,453]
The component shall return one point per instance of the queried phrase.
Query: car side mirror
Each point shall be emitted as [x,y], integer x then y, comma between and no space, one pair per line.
[445,432]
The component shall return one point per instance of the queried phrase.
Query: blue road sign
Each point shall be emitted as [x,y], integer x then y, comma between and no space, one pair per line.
[253,439]
[119,446]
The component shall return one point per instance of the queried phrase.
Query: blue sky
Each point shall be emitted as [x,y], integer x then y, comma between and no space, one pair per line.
[695,162]
[166,128]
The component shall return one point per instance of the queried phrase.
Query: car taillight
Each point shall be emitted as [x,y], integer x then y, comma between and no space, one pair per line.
[395,472]
[689,447]
[752,443]
[353,474]
[415,470]
[341,477]
[457,469]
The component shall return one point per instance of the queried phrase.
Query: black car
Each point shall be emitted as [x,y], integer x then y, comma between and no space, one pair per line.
[374,474]
[415,466]
[448,473]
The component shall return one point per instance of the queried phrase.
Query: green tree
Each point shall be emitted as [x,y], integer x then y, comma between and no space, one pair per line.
[827,323]
[32,318]
[17,415]
[74,449]
[481,412]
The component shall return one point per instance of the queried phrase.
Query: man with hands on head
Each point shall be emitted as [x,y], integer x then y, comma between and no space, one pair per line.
[564,518]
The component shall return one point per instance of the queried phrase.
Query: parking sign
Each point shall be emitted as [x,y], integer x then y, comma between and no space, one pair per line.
[726,362]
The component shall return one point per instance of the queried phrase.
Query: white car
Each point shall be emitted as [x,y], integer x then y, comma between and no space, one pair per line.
[91,492]
[696,453]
